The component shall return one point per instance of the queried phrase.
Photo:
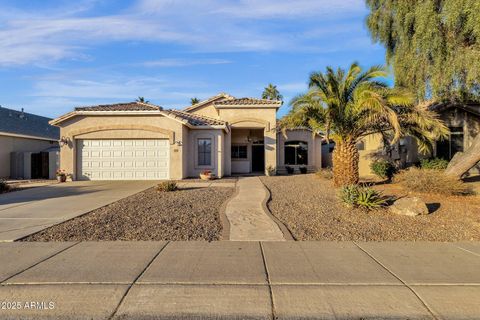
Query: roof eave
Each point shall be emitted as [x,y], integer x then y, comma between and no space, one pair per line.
[248,106]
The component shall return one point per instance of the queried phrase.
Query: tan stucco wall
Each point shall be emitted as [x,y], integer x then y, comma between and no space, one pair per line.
[123,127]
[218,149]
[10,144]
[255,118]
[207,110]
[314,148]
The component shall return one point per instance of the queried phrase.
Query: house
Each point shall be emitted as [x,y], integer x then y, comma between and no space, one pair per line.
[463,120]
[224,134]
[28,140]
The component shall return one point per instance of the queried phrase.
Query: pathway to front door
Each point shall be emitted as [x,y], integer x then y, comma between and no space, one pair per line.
[247,214]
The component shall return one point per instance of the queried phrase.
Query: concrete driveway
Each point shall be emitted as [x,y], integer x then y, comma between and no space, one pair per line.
[29,211]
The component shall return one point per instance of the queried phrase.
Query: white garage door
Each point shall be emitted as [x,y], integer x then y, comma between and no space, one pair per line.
[130,159]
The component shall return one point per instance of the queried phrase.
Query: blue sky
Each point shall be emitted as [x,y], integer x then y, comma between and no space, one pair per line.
[55,55]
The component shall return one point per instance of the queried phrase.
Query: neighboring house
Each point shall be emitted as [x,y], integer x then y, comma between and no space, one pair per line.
[27,139]
[128,141]
[463,120]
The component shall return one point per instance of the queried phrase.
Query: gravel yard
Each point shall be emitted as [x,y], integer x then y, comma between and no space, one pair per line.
[307,205]
[186,214]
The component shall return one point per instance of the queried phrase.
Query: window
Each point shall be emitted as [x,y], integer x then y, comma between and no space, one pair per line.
[447,148]
[204,152]
[296,153]
[239,152]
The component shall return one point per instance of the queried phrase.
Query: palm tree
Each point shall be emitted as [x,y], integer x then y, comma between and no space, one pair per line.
[194,100]
[347,106]
[271,93]
[142,100]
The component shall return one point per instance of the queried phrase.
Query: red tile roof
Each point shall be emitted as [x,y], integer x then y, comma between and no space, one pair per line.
[127,106]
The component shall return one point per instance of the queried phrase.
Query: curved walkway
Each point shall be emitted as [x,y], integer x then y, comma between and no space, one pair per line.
[247,214]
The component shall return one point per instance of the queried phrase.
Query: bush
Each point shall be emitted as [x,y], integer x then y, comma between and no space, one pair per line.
[383,168]
[4,187]
[435,164]
[432,181]
[325,173]
[167,186]
[362,197]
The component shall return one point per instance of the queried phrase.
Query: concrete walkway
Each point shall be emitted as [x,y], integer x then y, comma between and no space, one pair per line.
[247,214]
[240,280]
[28,211]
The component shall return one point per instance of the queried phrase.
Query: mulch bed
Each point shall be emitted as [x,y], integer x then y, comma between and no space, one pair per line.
[308,206]
[186,214]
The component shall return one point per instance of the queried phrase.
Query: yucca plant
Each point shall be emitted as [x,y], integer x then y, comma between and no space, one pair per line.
[347,106]
[361,197]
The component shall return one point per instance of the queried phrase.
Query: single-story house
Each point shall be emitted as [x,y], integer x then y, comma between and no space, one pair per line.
[223,134]
[26,141]
[463,120]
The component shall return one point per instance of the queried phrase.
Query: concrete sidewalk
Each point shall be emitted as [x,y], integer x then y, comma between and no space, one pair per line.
[240,280]
[28,211]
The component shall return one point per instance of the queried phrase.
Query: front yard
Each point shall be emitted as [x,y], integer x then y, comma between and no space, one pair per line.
[185,214]
[308,206]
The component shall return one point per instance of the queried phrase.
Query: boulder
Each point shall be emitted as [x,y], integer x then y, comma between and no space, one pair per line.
[409,206]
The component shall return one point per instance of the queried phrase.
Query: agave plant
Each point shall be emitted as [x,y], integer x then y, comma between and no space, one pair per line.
[348,106]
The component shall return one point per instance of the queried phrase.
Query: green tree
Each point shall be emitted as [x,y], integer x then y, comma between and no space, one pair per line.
[347,106]
[194,100]
[271,93]
[432,45]
[142,99]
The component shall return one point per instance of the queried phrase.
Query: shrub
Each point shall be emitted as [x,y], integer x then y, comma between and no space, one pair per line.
[435,163]
[4,186]
[289,169]
[167,186]
[303,170]
[325,173]
[383,168]
[432,181]
[362,197]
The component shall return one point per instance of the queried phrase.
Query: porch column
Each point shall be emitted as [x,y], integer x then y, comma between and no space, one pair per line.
[227,156]
[270,140]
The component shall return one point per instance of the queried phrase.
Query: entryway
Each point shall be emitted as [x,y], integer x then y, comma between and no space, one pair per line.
[258,158]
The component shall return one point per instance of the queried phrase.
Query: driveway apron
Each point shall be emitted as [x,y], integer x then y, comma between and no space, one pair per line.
[247,215]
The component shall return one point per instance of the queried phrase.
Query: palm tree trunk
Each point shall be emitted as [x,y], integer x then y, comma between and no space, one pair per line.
[345,163]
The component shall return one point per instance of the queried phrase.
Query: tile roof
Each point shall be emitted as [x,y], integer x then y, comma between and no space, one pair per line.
[127,106]
[194,119]
[223,96]
[247,101]
[23,123]
[473,108]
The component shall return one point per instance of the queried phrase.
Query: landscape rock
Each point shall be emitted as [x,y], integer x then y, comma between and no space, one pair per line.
[409,206]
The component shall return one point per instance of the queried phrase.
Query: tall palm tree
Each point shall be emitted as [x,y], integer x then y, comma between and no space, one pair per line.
[194,100]
[347,106]
[271,93]
[142,99]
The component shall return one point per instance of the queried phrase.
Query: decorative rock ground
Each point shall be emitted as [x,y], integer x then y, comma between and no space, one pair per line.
[409,206]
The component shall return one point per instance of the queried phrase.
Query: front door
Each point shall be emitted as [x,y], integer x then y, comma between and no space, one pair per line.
[258,158]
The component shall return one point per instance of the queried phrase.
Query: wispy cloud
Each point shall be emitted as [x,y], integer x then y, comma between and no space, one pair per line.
[204,26]
[172,62]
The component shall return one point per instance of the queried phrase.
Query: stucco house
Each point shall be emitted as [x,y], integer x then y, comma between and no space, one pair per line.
[28,145]
[463,120]
[224,134]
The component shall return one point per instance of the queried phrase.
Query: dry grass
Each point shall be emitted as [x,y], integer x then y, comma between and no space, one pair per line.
[308,206]
[432,181]
[325,173]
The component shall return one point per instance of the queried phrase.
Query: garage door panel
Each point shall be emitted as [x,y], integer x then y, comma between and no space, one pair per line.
[123,159]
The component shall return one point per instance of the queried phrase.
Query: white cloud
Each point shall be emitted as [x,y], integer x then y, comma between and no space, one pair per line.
[203,26]
[172,62]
